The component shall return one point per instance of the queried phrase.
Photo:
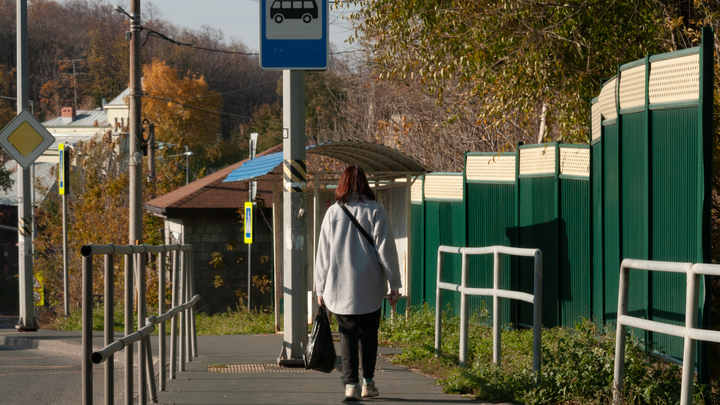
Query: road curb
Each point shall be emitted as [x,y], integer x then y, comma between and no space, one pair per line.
[53,346]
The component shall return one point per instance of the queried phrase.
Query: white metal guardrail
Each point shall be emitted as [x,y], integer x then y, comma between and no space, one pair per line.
[689,332]
[182,289]
[496,292]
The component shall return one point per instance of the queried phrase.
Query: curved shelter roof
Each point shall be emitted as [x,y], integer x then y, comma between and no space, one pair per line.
[372,157]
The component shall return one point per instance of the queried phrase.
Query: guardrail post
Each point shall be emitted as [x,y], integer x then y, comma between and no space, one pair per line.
[161,326]
[188,311]
[438,306]
[109,300]
[193,332]
[87,294]
[141,314]
[463,312]
[620,335]
[174,321]
[129,392]
[181,315]
[497,307]
[150,371]
[691,316]
[537,306]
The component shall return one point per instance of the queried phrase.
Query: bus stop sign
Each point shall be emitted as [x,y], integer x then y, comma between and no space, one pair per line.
[294,34]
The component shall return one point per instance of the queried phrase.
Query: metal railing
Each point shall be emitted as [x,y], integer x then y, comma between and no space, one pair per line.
[689,332]
[182,289]
[496,292]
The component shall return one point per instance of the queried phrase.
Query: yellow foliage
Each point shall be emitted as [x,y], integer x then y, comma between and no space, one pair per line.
[183,109]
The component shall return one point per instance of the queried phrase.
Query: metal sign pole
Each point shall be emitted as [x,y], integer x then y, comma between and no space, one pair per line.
[294,218]
[251,197]
[27,321]
[63,172]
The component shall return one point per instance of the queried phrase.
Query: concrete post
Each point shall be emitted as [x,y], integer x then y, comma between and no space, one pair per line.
[294,218]
[27,321]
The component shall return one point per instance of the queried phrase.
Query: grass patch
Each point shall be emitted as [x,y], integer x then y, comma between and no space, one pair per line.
[74,321]
[577,365]
[236,323]
[226,323]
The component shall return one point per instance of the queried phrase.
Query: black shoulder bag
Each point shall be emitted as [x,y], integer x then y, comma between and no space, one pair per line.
[357,224]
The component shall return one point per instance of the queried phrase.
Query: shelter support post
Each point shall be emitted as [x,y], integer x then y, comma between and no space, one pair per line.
[278,249]
[408,242]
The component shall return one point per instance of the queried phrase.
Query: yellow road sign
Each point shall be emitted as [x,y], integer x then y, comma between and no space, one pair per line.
[25,139]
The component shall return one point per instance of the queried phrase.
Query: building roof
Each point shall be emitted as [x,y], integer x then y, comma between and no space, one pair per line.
[119,101]
[209,195]
[83,118]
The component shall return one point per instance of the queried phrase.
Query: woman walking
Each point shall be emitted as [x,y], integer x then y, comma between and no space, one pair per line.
[356,258]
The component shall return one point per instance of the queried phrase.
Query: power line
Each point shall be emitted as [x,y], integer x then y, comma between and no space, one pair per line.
[229,92]
[155,34]
[221,114]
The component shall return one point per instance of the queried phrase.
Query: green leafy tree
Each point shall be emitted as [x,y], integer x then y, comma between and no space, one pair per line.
[511,57]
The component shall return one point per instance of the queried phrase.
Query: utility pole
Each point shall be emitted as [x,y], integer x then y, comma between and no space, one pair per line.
[135,137]
[135,172]
[74,76]
[27,321]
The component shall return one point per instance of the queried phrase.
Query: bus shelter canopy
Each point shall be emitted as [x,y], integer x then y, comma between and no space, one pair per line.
[373,158]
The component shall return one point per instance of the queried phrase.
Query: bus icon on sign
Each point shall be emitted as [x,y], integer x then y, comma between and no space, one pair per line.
[307,10]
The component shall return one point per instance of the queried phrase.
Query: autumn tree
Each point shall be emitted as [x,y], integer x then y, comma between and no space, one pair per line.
[185,113]
[97,213]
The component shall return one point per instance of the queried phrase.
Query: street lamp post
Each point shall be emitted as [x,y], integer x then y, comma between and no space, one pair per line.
[187,155]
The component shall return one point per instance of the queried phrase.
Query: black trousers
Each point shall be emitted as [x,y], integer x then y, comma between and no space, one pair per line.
[362,329]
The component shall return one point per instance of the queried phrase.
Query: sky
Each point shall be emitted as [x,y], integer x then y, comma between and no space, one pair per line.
[237,19]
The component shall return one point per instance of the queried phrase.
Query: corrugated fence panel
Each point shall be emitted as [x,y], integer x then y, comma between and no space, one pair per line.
[491,221]
[538,228]
[432,242]
[674,212]
[417,295]
[574,251]
[598,255]
[635,226]
[611,177]
[444,225]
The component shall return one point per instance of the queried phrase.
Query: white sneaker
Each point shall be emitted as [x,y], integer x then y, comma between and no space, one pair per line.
[352,393]
[369,390]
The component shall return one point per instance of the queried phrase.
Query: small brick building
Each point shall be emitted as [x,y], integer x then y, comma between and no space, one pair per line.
[207,214]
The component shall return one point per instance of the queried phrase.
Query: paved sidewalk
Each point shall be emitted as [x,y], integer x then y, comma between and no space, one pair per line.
[249,373]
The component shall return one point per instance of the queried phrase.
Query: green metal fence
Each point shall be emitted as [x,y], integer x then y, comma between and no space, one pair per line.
[640,190]
[491,209]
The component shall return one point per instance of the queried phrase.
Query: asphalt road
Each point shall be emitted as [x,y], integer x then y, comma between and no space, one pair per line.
[29,376]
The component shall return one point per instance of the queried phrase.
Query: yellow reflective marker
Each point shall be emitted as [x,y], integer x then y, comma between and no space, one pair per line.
[248,222]
[61,169]
[38,290]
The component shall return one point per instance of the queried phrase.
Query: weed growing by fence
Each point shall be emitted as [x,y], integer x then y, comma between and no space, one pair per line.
[577,365]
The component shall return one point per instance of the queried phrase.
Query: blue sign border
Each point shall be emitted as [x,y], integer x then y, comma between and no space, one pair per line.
[294,54]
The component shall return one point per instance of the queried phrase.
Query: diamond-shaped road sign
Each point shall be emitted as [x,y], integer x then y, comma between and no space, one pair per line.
[25,139]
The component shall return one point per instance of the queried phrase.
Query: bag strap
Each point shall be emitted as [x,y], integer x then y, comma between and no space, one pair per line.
[357,224]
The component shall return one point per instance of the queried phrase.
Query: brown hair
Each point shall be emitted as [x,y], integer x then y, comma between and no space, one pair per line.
[353,180]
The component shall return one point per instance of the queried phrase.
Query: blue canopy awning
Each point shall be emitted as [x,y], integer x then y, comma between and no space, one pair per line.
[372,157]
[257,167]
